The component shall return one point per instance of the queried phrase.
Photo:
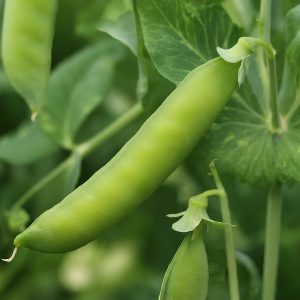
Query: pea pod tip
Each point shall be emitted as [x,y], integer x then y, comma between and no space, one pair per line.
[34,116]
[12,255]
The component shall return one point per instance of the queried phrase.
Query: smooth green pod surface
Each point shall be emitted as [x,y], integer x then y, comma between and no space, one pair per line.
[146,160]
[27,36]
[187,275]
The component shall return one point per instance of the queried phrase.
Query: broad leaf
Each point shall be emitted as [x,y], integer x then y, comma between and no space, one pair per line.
[254,285]
[291,72]
[241,12]
[292,22]
[126,29]
[181,35]
[115,8]
[76,88]
[243,143]
[26,145]
[288,90]
[289,4]
[122,29]
[88,15]
[293,54]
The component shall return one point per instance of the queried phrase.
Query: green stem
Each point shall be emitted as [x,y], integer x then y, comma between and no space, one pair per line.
[83,150]
[274,106]
[268,67]
[272,238]
[229,240]
[264,78]
[209,193]
[87,147]
[265,19]
[43,182]
[272,241]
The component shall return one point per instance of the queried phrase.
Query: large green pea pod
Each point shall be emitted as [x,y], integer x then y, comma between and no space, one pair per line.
[27,35]
[187,275]
[136,171]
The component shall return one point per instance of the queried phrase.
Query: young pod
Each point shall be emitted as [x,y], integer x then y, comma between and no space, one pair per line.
[27,35]
[187,275]
[146,160]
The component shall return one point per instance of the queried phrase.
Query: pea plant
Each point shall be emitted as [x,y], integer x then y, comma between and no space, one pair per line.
[118,113]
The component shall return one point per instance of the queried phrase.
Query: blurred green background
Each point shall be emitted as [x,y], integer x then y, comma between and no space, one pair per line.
[129,261]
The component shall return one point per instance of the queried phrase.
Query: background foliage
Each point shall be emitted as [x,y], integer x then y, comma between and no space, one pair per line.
[105,59]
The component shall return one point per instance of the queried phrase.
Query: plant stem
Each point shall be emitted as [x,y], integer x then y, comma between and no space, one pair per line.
[83,150]
[88,146]
[229,240]
[273,221]
[268,67]
[265,19]
[43,182]
[274,106]
[209,193]
[272,241]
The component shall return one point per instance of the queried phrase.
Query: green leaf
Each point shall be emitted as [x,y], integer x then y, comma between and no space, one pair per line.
[289,4]
[241,12]
[254,277]
[293,53]
[88,15]
[122,29]
[244,145]
[290,87]
[292,22]
[126,29]
[116,20]
[76,88]
[26,145]
[181,35]
[122,22]
[115,8]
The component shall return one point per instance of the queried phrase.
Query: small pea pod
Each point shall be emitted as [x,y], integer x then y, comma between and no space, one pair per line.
[27,35]
[187,275]
[147,159]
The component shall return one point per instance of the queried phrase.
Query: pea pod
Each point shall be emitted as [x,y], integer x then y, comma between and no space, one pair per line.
[187,275]
[27,35]
[146,160]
